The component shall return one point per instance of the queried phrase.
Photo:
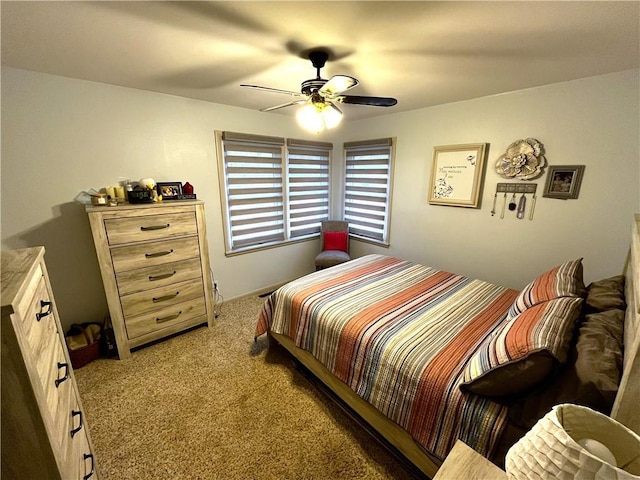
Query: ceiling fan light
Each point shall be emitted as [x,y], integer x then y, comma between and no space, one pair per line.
[310,118]
[331,117]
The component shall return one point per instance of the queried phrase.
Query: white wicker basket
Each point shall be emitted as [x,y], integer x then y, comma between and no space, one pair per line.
[550,450]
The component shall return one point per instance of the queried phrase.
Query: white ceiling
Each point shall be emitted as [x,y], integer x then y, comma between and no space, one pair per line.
[421,52]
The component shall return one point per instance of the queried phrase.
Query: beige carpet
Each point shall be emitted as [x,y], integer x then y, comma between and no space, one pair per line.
[212,404]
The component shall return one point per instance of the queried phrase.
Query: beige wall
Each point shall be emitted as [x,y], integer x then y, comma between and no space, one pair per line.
[592,122]
[61,136]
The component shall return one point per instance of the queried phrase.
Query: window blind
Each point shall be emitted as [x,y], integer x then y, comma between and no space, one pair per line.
[367,188]
[308,186]
[254,184]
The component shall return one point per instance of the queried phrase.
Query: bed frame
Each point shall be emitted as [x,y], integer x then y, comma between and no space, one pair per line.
[625,408]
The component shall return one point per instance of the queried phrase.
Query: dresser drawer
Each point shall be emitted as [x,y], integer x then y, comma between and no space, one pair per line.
[77,447]
[165,317]
[132,281]
[153,253]
[39,322]
[47,357]
[58,390]
[158,298]
[150,227]
[32,285]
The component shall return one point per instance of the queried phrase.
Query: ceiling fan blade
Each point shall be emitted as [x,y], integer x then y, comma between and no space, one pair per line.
[274,90]
[337,84]
[288,104]
[333,105]
[374,101]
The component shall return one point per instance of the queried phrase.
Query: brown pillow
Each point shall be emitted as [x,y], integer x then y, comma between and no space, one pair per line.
[590,378]
[606,294]
[599,352]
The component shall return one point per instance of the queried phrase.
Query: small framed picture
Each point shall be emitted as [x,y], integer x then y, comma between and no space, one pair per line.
[563,181]
[169,190]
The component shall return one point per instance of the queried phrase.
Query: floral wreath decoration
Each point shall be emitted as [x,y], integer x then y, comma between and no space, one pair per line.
[523,160]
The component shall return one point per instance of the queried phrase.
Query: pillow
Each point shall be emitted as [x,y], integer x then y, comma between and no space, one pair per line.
[606,294]
[523,350]
[335,241]
[590,378]
[599,352]
[562,281]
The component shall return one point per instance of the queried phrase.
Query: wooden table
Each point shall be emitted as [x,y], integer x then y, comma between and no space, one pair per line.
[465,463]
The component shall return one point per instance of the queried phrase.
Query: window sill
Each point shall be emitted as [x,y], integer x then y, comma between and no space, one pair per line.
[370,240]
[268,246]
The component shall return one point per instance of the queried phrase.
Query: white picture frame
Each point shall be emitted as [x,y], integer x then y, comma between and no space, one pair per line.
[457,174]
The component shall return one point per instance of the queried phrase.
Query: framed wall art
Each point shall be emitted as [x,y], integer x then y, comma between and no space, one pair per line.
[457,174]
[169,190]
[563,181]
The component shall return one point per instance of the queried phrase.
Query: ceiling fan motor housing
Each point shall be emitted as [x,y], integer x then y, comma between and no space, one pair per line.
[312,85]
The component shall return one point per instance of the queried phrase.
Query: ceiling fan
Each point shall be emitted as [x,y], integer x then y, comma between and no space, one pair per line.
[321,96]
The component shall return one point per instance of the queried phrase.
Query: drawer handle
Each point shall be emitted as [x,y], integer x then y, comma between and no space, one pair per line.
[158,254]
[66,373]
[90,474]
[154,227]
[153,278]
[76,413]
[40,315]
[166,297]
[168,317]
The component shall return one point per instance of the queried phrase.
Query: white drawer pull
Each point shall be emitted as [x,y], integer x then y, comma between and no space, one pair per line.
[154,227]
[166,297]
[76,413]
[158,254]
[153,278]
[168,317]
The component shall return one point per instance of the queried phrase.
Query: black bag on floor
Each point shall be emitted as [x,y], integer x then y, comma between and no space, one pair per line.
[108,340]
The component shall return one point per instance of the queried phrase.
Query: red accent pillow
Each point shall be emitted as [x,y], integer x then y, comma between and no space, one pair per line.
[335,241]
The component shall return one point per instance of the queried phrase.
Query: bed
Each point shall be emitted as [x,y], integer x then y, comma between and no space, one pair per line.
[425,357]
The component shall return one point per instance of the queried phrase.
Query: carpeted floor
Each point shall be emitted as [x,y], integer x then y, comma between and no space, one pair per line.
[212,404]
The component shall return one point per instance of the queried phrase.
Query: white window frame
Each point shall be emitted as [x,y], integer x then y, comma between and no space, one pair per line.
[300,189]
[368,181]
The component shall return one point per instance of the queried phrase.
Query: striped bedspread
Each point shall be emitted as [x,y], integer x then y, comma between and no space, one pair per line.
[399,334]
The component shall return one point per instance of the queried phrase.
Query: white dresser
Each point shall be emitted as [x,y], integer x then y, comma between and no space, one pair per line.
[44,429]
[155,269]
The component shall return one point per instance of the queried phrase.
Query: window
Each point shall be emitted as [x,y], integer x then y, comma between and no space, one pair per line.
[308,186]
[274,191]
[367,195]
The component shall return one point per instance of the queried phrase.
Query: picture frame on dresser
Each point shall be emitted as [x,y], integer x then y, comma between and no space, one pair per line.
[169,190]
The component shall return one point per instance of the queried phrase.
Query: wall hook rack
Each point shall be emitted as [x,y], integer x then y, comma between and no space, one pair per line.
[513,189]
[516,187]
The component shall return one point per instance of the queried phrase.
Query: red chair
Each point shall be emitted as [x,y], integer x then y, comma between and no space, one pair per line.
[334,238]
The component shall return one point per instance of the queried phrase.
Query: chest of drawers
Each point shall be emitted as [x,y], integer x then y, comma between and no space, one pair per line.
[44,432]
[155,269]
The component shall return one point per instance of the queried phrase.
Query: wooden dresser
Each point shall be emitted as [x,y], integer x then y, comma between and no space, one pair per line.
[155,268]
[44,431]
